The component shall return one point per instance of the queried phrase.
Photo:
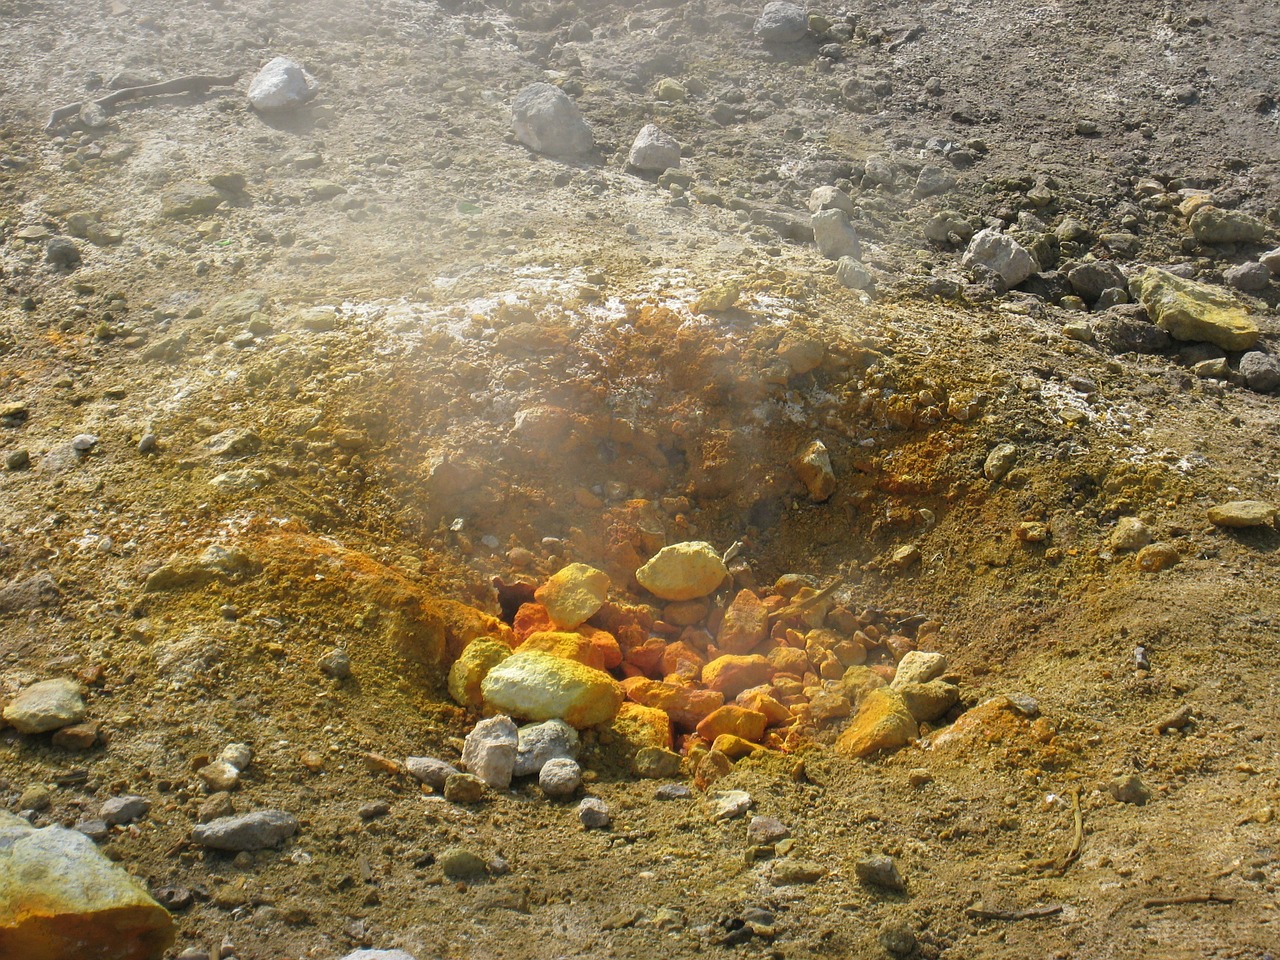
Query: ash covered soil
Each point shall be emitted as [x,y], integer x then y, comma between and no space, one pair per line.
[360,373]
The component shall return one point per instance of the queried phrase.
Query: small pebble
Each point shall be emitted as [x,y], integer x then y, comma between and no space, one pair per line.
[463,788]
[672,791]
[730,804]
[120,810]
[336,663]
[594,813]
[371,811]
[560,777]
[84,442]
[767,831]
[880,871]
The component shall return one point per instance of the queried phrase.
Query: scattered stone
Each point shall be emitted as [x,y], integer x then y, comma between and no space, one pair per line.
[249,831]
[78,736]
[766,831]
[373,810]
[281,85]
[1157,557]
[1212,224]
[834,236]
[731,674]
[673,791]
[1002,254]
[490,751]
[852,274]
[830,198]
[654,150]
[880,871]
[1249,277]
[430,771]
[786,872]
[189,199]
[573,595]
[219,776]
[62,254]
[800,353]
[593,813]
[999,462]
[919,666]
[44,706]
[87,905]
[919,776]
[1130,533]
[1271,260]
[467,673]
[458,863]
[1243,513]
[547,121]
[897,938]
[35,797]
[95,830]
[336,663]
[670,90]
[1261,371]
[782,22]
[934,180]
[119,810]
[656,763]
[730,804]
[1090,280]
[683,571]
[214,807]
[541,686]
[539,743]
[560,777]
[1188,310]
[463,788]
[1129,789]
[882,722]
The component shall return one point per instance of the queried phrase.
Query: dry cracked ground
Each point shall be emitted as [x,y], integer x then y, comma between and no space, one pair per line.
[343,375]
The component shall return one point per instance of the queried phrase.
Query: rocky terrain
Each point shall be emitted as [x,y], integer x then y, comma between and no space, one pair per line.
[948,331]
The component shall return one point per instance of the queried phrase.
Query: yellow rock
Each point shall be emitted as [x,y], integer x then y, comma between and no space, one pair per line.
[640,726]
[541,686]
[683,571]
[469,670]
[60,899]
[882,722]
[1188,310]
[735,748]
[571,646]
[574,594]
[719,298]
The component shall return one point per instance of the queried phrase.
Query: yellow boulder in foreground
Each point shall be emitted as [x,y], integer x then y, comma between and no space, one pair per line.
[541,686]
[882,722]
[60,899]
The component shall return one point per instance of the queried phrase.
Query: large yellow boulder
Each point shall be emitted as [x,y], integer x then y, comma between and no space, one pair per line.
[573,595]
[60,899]
[469,670]
[683,571]
[541,686]
[882,722]
[1188,310]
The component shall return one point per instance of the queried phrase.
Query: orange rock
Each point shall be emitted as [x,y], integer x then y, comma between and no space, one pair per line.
[991,721]
[605,643]
[570,646]
[685,613]
[681,658]
[761,700]
[882,722]
[789,660]
[711,767]
[733,720]
[531,618]
[745,624]
[687,706]
[642,726]
[735,748]
[730,674]
[646,657]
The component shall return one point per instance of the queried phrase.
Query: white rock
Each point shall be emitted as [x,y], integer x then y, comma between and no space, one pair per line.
[834,235]
[730,804]
[239,755]
[490,751]
[546,120]
[1271,260]
[539,743]
[654,150]
[919,666]
[593,813]
[380,955]
[560,777]
[852,274]
[1004,255]
[281,85]
[830,198]
[47,705]
[782,22]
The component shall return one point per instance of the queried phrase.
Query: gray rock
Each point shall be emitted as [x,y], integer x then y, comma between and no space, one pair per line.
[834,235]
[96,830]
[852,274]
[1249,277]
[458,863]
[767,830]
[546,120]
[878,170]
[430,771]
[1212,224]
[654,150]
[380,955]
[730,804]
[280,85]
[47,705]
[897,938]
[1111,297]
[1271,260]
[1089,280]
[1261,371]
[999,462]
[672,791]
[120,810]
[560,777]
[1126,334]
[830,198]
[336,663]
[880,871]
[538,743]
[490,751]
[593,813]
[934,180]
[62,254]
[1129,789]
[249,831]
[1002,254]
[781,22]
